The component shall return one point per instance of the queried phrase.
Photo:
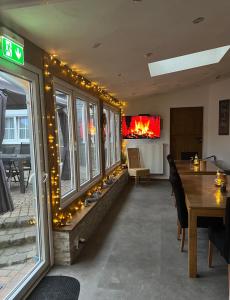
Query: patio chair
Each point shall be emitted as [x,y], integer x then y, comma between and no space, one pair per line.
[25,149]
[11,169]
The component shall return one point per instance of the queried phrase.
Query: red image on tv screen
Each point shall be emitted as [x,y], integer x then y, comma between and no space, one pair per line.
[141,127]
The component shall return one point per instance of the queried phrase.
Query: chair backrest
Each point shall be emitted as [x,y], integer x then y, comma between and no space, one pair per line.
[133,158]
[179,194]
[171,161]
[227,233]
[24,148]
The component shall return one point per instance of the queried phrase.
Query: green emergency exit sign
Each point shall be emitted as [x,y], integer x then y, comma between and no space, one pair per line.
[11,50]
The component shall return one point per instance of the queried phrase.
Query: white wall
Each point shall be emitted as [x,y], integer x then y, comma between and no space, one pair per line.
[206,96]
[218,144]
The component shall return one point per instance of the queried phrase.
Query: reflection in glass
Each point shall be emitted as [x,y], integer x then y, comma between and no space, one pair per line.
[118,146]
[112,139]
[82,137]
[65,149]
[106,138]
[93,133]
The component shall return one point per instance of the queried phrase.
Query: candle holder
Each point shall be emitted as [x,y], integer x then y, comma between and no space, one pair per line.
[221,179]
[196,161]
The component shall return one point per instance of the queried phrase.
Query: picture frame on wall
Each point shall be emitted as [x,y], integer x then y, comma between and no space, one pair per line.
[224,117]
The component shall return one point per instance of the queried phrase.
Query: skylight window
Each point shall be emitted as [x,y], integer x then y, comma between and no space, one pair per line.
[186,62]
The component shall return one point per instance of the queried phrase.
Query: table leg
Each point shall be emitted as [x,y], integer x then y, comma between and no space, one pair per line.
[21,177]
[192,243]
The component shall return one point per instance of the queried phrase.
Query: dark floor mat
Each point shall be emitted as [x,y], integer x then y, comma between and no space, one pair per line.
[56,288]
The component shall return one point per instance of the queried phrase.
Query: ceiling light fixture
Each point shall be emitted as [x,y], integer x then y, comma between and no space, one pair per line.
[186,62]
[198,20]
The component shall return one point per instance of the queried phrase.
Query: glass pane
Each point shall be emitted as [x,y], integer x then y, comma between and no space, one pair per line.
[20,249]
[112,138]
[117,126]
[82,137]
[65,143]
[9,129]
[106,138]
[23,128]
[93,133]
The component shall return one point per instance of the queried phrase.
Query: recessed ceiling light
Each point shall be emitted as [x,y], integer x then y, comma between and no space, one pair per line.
[198,20]
[188,61]
[96,45]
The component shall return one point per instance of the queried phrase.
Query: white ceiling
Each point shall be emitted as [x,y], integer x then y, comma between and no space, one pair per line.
[127,31]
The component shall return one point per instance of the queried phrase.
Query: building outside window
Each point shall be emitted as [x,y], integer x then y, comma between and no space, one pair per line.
[16,127]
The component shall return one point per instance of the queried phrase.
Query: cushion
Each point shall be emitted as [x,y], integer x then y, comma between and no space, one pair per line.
[140,172]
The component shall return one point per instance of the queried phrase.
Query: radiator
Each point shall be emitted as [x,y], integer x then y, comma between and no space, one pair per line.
[151,155]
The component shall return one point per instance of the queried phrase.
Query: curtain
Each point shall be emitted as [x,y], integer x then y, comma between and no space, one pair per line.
[63,117]
[6,203]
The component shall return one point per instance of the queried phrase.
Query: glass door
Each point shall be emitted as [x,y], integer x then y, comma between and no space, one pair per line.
[24,241]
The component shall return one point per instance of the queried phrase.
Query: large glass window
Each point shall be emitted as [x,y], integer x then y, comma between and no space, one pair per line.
[88,140]
[111,137]
[77,124]
[63,115]
[82,138]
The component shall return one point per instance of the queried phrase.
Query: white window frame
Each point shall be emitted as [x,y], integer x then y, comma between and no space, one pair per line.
[115,111]
[75,94]
[16,114]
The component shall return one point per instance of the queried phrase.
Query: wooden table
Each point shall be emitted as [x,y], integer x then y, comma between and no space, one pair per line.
[203,199]
[185,167]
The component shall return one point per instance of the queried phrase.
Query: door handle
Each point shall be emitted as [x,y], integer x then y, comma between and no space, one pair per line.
[45,177]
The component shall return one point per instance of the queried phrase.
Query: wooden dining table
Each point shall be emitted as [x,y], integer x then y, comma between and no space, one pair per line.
[203,199]
[187,167]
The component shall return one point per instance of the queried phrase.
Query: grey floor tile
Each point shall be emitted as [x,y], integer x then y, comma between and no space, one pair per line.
[135,255]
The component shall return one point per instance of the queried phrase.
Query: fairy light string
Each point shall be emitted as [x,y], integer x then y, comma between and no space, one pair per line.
[54,67]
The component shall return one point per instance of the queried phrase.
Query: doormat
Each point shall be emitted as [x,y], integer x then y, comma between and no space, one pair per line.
[56,288]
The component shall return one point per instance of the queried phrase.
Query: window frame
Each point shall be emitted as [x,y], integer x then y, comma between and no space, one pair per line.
[115,111]
[74,94]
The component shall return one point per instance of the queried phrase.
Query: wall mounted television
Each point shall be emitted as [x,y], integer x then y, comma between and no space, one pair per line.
[141,127]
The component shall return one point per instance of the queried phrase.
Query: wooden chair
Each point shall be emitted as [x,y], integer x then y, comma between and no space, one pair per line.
[134,165]
[182,212]
[220,237]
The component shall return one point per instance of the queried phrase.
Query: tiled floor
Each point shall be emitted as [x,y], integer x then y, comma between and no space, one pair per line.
[134,254]
[17,240]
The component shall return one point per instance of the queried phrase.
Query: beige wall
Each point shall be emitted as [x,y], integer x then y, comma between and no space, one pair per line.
[206,96]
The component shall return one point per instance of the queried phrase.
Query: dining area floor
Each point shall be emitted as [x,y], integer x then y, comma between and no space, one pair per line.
[134,253]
